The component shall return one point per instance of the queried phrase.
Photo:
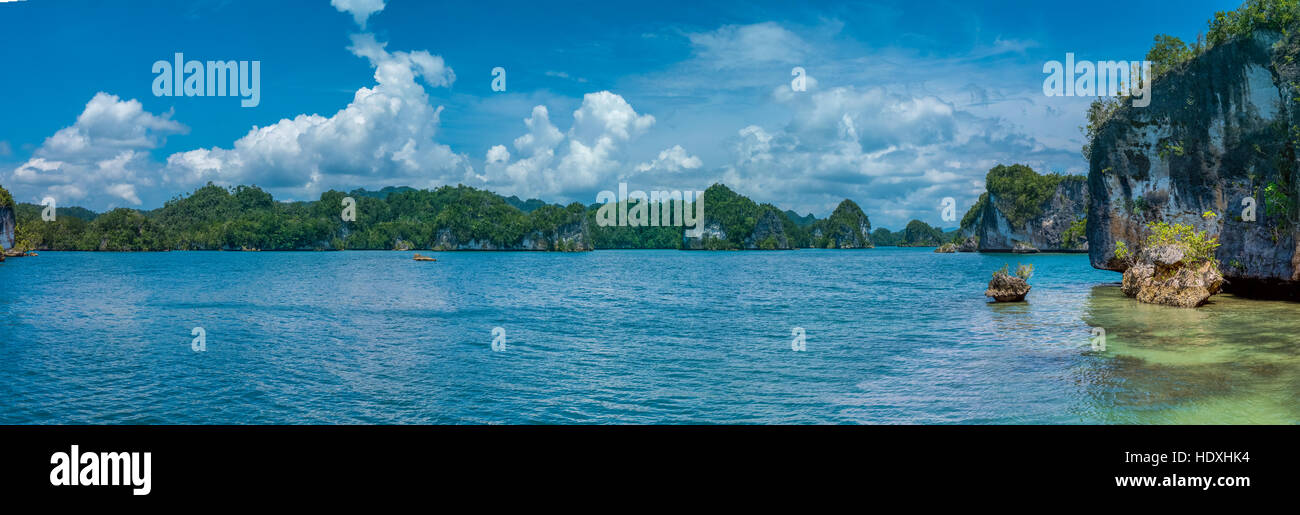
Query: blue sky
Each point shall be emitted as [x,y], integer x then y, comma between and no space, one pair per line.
[908,102]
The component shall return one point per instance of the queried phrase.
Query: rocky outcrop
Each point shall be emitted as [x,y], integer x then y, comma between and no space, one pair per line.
[1219,135]
[769,233]
[998,226]
[734,222]
[947,248]
[970,244]
[1164,275]
[572,237]
[846,228]
[1007,288]
[7,227]
[711,233]
[8,223]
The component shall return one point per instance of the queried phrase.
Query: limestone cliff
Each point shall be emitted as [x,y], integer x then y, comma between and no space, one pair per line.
[8,223]
[1220,135]
[1023,211]
[846,228]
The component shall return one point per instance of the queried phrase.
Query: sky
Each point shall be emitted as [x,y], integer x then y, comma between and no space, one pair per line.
[906,102]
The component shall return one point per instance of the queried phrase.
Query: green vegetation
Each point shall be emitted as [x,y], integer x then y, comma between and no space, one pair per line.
[1277,202]
[1253,15]
[973,214]
[920,234]
[915,234]
[6,200]
[1075,234]
[214,218]
[627,237]
[1020,193]
[801,221]
[1168,53]
[738,216]
[1121,251]
[1197,245]
[882,237]
[847,226]
[1022,271]
[246,217]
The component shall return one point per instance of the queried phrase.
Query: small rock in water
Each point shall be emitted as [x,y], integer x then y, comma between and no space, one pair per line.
[947,248]
[1162,275]
[1024,248]
[1004,287]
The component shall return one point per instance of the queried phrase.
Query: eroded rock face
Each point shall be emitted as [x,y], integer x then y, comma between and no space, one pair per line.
[1024,248]
[572,237]
[1007,288]
[1216,134]
[947,248]
[970,244]
[769,233]
[7,226]
[712,230]
[1163,275]
[1044,233]
[846,228]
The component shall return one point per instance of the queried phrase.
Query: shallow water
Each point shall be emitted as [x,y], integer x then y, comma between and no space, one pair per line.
[893,336]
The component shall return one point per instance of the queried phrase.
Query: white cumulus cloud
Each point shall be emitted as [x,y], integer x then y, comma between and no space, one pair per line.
[387,132]
[567,164]
[105,152]
[673,159]
[359,9]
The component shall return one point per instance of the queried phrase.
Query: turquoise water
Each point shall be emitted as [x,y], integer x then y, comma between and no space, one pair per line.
[892,336]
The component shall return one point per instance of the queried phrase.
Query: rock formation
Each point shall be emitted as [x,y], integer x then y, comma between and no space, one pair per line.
[1219,135]
[1004,287]
[1164,275]
[1025,212]
[8,224]
[847,228]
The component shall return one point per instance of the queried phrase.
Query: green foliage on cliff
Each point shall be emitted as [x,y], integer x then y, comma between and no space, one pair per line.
[920,234]
[738,216]
[1197,245]
[627,237]
[844,227]
[1074,235]
[1253,15]
[1121,251]
[1167,53]
[973,214]
[882,237]
[1020,193]
[6,200]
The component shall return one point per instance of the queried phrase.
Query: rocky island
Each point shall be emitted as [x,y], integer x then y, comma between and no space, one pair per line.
[1024,212]
[1219,136]
[7,222]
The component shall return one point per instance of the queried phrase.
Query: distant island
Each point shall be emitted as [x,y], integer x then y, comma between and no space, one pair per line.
[465,218]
